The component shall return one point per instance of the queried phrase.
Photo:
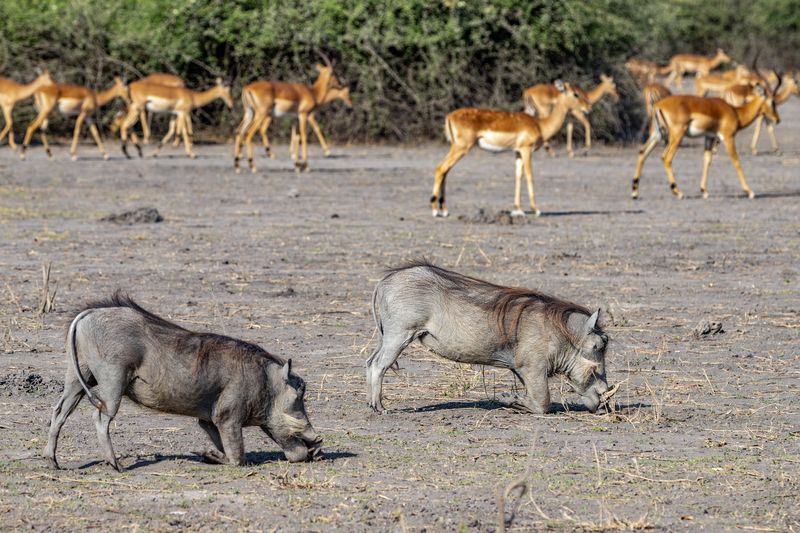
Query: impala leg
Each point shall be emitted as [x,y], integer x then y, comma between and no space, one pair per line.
[294,146]
[185,124]
[46,144]
[645,150]
[97,139]
[247,119]
[527,166]
[707,155]
[570,128]
[438,207]
[675,138]
[8,128]
[144,119]
[170,132]
[264,139]
[756,135]
[303,120]
[730,145]
[35,125]
[128,122]
[587,128]
[517,211]
[248,140]
[73,149]
[318,132]
[771,130]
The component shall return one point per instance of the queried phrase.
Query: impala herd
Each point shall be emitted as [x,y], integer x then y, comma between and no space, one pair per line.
[741,96]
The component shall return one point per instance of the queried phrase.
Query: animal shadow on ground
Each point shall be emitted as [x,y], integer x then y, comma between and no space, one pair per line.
[490,405]
[251,459]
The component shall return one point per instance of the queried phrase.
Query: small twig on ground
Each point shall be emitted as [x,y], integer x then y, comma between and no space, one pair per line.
[47,300]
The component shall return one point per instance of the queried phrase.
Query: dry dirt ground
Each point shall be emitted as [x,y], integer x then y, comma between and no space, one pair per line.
[707,431]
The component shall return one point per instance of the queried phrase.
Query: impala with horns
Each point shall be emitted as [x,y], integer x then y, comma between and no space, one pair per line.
[499,131]
[334,93]
[72,101]
[262,99]
[738,95]
[12,93]
[540,100]
[712,118]
[645,71]
[690,63]
[177,101]
[157,78]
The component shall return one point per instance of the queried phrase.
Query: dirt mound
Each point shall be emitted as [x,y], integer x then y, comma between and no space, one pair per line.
[28,383]
[501,218]
[140,215]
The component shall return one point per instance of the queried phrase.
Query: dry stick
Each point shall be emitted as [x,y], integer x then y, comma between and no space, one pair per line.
[46,304]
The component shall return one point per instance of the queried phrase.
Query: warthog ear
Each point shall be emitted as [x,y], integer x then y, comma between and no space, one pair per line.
[286,370]
[559,85]
[591,322]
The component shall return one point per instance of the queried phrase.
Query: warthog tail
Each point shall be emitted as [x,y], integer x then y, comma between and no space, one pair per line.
[73,352]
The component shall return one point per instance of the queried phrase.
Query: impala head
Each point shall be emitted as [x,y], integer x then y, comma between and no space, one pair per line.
[343,94]
[721,56]
[120,89]
[225,93]
[572,98]
[609,86]
[44,79]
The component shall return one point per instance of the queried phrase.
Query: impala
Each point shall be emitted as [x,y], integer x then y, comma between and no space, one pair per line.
[263,99]
[499,131]
[178,101]
[540,100]
[700,65]
[72,101]
[718,83]
[334,93]
[738,95]
[645,71]
[11,93]
[158,78]
[712,118]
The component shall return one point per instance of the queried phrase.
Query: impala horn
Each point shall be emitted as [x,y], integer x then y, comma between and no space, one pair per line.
[324,57]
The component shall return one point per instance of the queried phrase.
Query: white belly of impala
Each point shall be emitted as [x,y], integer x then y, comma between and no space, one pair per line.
[160,105]
[489,147]
[697,132]
[69,106]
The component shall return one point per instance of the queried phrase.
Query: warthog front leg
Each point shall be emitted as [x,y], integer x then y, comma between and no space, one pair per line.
[230,433]
[537,397]
[217,453]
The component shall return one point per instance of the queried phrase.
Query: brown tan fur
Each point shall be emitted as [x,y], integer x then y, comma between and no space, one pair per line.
[500,131]
[158,78]
[652,93]
[645,71]
[712,118]
[540,99]
[261,99]
[690,63]
[178,101]
[334,93]
[11,93]
[71,100]
[739,95]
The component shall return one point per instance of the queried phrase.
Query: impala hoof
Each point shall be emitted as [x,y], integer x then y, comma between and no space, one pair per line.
[105,157]
[751,194]
[705,194]
[517,213]
[74,157]
[536,212]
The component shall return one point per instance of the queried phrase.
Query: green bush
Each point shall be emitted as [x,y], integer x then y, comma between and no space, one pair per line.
[408,62]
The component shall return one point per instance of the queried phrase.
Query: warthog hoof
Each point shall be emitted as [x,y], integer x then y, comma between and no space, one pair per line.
[213,457]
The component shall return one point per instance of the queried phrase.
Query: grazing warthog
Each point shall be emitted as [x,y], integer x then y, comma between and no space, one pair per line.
[121,349]
[473,321]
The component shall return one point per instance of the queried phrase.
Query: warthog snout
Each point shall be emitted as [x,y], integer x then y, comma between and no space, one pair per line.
[304,449]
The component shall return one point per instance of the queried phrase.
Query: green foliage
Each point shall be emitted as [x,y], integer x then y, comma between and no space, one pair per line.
[408,62]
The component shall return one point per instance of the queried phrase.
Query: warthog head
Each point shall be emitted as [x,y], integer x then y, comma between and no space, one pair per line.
[288,424]
[588,372]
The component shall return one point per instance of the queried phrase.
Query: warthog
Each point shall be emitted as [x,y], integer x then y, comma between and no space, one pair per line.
[473,321]
[124,350]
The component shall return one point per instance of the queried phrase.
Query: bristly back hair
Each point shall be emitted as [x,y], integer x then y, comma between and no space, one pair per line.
[508,304]
[201,343]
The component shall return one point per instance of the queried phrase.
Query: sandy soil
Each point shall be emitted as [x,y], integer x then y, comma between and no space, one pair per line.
[705,436]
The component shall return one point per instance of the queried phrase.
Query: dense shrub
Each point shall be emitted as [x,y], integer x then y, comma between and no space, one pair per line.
[408,62]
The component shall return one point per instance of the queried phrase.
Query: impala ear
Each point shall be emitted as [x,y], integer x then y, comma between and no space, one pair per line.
[559,85]
[286,370]
[218,80]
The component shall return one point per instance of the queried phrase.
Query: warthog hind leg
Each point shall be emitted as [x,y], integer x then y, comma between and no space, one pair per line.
[391,346]
[73,392]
